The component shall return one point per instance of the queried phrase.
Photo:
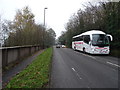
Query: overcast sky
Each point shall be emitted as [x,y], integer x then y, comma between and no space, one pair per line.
[57,14]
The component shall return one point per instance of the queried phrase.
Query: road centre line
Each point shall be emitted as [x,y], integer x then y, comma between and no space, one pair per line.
[79,76]
[76,73]
[73,69]
[113,64]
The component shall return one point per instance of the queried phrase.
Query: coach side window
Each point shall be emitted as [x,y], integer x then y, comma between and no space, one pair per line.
[77,39]
[86,38]
[81,38]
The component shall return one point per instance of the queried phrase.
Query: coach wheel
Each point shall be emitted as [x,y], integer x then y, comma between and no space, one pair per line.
[83,50]
[74,48]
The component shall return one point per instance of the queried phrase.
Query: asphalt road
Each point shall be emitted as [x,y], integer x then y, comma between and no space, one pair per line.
[73,69]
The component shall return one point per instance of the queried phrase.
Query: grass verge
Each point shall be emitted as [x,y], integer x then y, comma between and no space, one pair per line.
[36,75]
[115,53]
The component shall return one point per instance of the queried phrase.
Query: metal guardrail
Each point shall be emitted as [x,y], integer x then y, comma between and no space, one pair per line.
[11,54]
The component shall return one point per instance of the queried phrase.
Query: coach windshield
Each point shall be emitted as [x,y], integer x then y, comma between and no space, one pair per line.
[100,40]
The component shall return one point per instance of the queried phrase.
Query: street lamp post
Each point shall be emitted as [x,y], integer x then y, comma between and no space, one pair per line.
[44,15]
[44,27]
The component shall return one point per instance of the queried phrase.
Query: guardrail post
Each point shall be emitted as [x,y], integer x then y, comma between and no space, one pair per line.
[4,57]
[30,50]
[11,54]
[19,53]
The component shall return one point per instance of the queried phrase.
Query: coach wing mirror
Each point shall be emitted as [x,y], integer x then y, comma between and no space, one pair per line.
[89,42]
[110,37]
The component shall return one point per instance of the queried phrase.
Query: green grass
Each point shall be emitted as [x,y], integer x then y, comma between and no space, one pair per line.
[115,53]
[36,75]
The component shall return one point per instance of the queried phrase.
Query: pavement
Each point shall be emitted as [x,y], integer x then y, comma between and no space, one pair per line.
[73,69]
[19,67]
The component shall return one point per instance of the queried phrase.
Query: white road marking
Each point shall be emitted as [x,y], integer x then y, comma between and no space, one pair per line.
[76,73]
[79,76]
[89,56]
[73,69]
[113,64]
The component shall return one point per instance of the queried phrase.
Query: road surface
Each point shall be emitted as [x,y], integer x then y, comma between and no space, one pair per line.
[73,69]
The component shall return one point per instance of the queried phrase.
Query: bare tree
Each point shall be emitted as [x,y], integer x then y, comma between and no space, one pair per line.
[24,30]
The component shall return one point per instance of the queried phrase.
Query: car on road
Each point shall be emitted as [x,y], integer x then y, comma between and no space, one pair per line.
[63,46]
[58,46]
